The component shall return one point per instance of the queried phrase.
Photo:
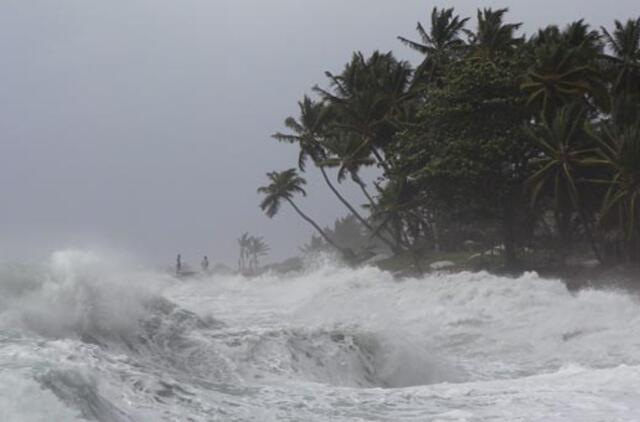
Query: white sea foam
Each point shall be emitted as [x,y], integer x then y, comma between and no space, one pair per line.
[84,338]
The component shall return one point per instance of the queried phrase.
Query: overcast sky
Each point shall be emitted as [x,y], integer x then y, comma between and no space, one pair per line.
[144,125]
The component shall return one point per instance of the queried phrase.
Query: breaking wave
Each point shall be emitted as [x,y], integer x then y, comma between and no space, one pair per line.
[85,338]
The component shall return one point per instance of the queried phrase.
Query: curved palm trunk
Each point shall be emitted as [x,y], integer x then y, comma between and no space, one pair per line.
[363,187]
[318,229]
[375,232]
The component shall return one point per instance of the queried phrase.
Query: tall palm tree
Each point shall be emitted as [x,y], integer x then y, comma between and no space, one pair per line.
[284,186]
[310,133]
[365,97]
[561,143]
[243,242]
[349,154]
[559,78]
[624,43]
[440,44]
[307,131]
[620,153]
[492,35]
[257,247]
[623,68]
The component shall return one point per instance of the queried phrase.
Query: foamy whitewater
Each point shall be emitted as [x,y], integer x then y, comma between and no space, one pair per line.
[85,339]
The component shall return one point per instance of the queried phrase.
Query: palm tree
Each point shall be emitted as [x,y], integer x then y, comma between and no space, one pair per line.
[562,154]
[620,153]
[439,45]
[243,242]
[623,66]
[307,131]
[493,35]
[365,97]
[310,133]
[559,78]
[257,247]
[283,187]
[625,60]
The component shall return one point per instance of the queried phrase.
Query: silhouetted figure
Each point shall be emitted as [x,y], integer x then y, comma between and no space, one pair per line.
[178,265]
[205,264]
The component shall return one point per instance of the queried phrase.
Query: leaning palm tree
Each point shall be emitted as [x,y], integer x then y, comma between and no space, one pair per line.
[310,133]
[439,45]
[366,96]
[349,154]
[492,35]
[562,154]
[284,186]
[307,131]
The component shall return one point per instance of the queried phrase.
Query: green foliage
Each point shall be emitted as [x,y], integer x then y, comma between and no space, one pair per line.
[484,139]
[492,35]
[439,45]
[620,153]
[566,70]
[284,185]
[562,152]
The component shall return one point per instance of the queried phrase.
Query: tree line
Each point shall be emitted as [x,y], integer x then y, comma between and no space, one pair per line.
[531,142]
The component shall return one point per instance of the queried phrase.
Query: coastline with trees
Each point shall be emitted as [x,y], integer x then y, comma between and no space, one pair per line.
[529,145]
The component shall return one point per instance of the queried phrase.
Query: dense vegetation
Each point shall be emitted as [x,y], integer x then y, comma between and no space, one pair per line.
[495,138]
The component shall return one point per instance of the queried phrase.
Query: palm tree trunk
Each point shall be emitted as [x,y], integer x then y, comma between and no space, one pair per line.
[364,222]
[363,187]
[317,227]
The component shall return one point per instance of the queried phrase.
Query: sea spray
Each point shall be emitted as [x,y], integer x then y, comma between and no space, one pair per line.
[85,337]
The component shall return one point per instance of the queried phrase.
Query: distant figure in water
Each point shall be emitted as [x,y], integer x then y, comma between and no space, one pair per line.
[205,264]
[178,265]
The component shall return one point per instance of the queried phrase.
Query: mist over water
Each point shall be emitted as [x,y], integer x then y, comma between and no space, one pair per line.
[85,338]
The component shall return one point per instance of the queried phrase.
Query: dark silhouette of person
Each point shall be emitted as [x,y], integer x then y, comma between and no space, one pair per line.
[178,265]
[205,264]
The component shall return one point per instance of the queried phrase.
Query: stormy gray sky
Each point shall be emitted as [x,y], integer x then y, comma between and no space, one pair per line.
[144,125]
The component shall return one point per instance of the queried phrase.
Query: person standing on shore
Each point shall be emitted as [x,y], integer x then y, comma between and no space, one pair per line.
[178,265]
[205,264]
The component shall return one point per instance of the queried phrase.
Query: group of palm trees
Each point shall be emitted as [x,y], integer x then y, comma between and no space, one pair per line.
[251,249]
[576,134]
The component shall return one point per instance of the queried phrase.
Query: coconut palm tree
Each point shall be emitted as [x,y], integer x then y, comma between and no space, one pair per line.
[365,97]
[559,78]
[623,68]
[307,131]
[563,153]
[256,248]
[310,133]
[349,154]
[243,242]
[624,43]
[492,35]
[439,45]
[620,153]
[284,186]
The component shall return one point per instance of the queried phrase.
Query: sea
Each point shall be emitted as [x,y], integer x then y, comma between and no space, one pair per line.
[84,337]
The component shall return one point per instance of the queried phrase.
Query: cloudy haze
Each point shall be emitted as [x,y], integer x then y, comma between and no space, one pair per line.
[144,125]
